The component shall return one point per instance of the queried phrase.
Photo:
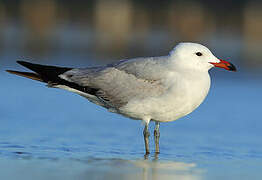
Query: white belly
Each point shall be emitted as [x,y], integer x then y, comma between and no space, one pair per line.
[178,101]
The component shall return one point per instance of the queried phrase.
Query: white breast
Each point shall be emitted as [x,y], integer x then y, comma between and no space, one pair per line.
[183,96]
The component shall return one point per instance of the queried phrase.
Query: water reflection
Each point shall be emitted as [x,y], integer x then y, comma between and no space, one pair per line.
[92,168]
[168,170]
[142,169]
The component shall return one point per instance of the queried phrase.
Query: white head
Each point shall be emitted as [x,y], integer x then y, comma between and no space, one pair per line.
[195,56]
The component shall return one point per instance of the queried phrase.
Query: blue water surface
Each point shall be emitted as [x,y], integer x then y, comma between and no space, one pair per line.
[55,134]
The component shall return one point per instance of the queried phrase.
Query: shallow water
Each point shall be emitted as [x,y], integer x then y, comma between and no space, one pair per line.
[54,134]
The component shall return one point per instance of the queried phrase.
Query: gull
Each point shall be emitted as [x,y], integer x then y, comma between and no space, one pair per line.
[159,89]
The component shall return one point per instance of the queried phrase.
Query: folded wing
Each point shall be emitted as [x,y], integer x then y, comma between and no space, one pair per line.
[110,86]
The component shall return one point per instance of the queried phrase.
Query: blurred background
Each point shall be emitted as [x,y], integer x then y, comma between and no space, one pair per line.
[55,134]
[107,30]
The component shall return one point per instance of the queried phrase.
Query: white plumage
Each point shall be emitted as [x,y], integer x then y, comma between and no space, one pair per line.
[155,88]
[159,89]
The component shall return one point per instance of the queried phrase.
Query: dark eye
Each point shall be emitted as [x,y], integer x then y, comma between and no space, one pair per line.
[199,54]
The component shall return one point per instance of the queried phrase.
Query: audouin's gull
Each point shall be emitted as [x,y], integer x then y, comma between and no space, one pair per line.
[159,89]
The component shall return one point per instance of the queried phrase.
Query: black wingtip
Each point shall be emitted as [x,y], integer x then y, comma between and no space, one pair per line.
[43,69]
[50,75]
[29,75]
[47,73]
[27,64]
[22,62]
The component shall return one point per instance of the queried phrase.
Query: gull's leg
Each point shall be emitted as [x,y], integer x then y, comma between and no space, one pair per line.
[156,136]
[146,138]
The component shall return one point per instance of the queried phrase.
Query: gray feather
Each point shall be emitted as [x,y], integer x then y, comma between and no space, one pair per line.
[121,82]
